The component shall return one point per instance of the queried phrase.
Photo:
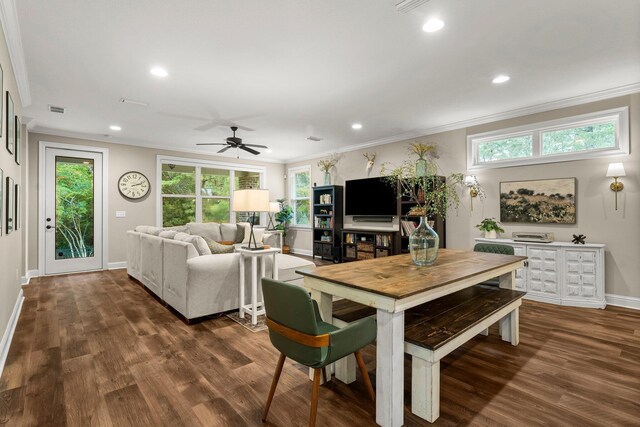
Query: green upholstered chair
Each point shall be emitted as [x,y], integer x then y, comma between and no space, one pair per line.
[493,248]
[299,333]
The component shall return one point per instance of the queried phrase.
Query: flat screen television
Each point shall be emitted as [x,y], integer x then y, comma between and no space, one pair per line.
[370,197]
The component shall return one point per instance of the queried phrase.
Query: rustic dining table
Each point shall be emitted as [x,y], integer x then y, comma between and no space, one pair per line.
[392,285]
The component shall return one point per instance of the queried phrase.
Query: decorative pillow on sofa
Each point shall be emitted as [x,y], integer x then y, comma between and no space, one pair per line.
[141,228]
[178,228]
[242,232]
[228,232]
[219,248]
[168,234]
[207,230]
[155,231]
[197,242]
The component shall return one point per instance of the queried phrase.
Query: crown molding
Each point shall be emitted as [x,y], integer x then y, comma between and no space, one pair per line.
[519,112]
[13,37]
[139,143]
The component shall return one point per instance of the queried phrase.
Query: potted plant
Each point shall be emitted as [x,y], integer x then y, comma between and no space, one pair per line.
[491,228]
[419,182]
[283,218]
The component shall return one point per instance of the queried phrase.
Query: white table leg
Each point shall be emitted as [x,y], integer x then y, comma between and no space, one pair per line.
[241,310]
[275,266]
[346,369]
[425,388]
[510,327]
[507,281]
[325,305]
[254,291]
[390,369]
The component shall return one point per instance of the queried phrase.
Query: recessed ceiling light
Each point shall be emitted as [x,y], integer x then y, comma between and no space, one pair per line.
[268,150]
[433,25]
[356,126]
[159,72]
[115,127]
[500,79]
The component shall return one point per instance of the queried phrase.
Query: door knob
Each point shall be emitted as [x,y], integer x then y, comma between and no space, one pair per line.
[48,219]
[49,227]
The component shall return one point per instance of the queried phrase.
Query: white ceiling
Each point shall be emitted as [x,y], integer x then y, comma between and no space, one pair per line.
[294,68]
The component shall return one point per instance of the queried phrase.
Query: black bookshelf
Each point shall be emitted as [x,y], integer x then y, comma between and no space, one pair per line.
[366,244]
[327,223]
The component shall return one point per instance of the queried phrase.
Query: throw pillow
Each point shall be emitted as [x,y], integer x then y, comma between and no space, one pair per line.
[197,242]
[178,228]
[154,231]
[226,242]
[219,248]
[167,234]
[208,230]
[242,235]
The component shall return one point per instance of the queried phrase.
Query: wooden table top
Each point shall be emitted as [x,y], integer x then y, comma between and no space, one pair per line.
[398,277]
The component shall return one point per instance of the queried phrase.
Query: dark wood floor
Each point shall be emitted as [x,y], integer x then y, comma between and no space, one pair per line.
[96,349]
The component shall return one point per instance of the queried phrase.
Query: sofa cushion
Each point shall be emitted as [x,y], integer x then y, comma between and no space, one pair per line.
[154,231]
[197,241]
[219,248]
[167,234]
[228,232]
[207,230]
[178,228]
[141,228]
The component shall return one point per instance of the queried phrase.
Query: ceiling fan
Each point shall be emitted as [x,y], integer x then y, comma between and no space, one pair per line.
[235,142]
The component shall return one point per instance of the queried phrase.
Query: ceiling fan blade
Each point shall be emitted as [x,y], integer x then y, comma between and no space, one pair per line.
[255,145]
[250,150]
[207,126]
[245,128]
[211,143]
[222,150]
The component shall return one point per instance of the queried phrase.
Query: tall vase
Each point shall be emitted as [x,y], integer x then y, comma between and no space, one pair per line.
[421,167]
[423,244]
[327,178]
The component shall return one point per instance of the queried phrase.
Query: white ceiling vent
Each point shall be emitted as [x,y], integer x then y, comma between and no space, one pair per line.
[314,138]
[408,5]
[54,109]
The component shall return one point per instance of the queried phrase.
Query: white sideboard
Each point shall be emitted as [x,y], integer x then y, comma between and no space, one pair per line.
[560,272]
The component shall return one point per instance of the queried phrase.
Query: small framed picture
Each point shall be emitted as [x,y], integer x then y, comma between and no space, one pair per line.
[18,139]
[18,212]
[10,211]
[11,125]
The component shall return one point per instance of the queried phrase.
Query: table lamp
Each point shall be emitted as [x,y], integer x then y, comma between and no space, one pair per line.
[273,208]
[251,201]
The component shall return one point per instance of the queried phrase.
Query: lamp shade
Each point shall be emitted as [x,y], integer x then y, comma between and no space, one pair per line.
[470,180]
[274,207]
[252,200]
[616,170]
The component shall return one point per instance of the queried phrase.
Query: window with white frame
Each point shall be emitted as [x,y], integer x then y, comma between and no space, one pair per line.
[602,133]
[300,195]
[202,191]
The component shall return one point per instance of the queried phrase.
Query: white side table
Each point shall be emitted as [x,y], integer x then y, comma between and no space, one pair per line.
[255,308]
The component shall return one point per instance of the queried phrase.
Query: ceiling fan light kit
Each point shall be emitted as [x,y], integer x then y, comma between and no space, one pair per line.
[235,142]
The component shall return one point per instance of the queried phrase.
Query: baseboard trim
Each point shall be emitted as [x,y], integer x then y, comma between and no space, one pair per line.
[8,333]
[623,301]
[305,252]
[24,280]
[117,265]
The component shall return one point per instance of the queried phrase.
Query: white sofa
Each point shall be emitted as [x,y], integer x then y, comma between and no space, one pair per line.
[184,274]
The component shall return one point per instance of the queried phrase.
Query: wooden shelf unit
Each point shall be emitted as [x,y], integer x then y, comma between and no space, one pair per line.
[327,223]
[362,244]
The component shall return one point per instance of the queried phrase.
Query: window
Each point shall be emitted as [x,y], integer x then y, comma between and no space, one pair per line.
[591,135]
[299,195]
[195,191]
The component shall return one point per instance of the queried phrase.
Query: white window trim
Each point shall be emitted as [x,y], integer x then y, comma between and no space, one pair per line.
[198,163]
[620,115]
[290,172]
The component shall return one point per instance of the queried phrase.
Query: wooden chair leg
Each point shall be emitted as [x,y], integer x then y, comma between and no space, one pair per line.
[274,383]
[315,391]
[365,375]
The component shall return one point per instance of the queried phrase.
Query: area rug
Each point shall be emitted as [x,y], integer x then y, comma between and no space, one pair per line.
[246,322]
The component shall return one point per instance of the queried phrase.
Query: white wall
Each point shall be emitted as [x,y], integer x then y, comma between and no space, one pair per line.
[11,246]
[124,158]
[596,217]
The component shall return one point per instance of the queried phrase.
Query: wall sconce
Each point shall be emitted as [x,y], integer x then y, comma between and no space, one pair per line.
[616,170]
[472,182]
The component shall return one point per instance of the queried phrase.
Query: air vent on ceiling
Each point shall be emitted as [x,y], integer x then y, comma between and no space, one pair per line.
[314,138]
[131,101]
[54,109]
[407,5]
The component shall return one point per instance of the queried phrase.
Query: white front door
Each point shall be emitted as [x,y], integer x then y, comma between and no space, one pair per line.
[73,211]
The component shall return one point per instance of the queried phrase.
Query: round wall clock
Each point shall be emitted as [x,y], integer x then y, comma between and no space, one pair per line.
[133,185]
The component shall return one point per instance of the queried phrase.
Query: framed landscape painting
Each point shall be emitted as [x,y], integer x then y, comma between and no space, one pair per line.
[543,201]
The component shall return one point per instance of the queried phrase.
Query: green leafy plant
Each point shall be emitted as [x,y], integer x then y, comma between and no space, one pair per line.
[283,217]
[432,193]
[490,224]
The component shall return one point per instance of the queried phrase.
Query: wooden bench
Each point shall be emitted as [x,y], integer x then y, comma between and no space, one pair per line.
[435,329]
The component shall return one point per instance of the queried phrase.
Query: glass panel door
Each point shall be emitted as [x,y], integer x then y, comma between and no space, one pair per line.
[73,211]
